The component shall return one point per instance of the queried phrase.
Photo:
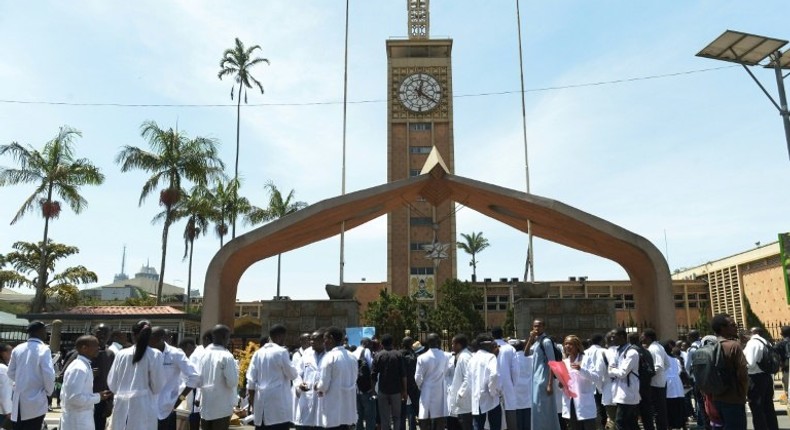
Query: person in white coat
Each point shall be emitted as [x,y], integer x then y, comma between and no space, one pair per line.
[430,374]
[33,375]
[135,378]
[219,379]
[77,396]
[337,384]
[5,384]
[625,392]
[308,373]
[485,388]
[177,371]
[269,382]
[193,398]
[607,389]
[507,380]
[523,387]
[579,412]
[460,402]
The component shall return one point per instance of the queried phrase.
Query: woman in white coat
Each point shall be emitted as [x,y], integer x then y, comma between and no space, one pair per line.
[430,379]
[580,411]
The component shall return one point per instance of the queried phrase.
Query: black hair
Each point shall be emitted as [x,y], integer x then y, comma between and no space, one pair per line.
[84,341]
[142,331]
[718,322]
[387,340]
[5,347]
[461,339]
[336,334]
[433,340]
[620,331]
[187,342]
[497,332]
[786,331]
[650,334]
[693,335]
[207,338]
[633,339]
[485,342]
[407,342]
[277,330]
[596,339]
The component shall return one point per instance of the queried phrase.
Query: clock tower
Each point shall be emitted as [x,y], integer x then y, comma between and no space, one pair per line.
[419,120]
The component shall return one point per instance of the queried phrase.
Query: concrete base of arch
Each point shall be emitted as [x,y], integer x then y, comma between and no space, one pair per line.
[551,220]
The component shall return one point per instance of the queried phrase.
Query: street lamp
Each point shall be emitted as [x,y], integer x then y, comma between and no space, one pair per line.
[750,50]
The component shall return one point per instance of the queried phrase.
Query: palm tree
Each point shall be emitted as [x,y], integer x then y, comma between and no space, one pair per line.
[174,158]
[278,208]
[473,244]
[25,261]
[54,171]
[238,62]
[228,205]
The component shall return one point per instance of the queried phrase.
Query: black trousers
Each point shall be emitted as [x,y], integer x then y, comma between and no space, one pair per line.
[645,408]
[278,426]
[659,397]
[31,424]
[626,418]
[761,401]
[100,414]
[168,423]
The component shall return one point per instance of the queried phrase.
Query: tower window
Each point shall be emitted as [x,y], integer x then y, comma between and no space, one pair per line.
[422,270]
[421,221]
[420,149]
[420,126]
[417,246]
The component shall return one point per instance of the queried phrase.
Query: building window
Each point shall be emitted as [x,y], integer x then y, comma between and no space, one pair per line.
[425,220]
[422,270]
[418,246]
[420,149]
[419,126]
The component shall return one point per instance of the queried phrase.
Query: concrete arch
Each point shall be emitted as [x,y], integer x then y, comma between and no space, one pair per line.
[551,220]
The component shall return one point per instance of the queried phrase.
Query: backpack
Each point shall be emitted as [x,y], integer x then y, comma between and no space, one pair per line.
[770,361]
[364,381]
[708,368]
[783,349]
[647,367]
[557,350]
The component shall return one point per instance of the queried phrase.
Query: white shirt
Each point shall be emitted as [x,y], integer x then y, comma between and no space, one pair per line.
[307,402]
[431,367]
[178,372]
[77,396]
[660,362]
[135,386]
[594,362]
[754,350]
[625,369]
[582,382]
[608,388]
[368,356]
[460,402]
[337,384]
[194,359]
[506,369]
[270,375]
[115,347]
[34,379]
[484,377]
[6,405]
[674,384]
[523,387]
[219,377]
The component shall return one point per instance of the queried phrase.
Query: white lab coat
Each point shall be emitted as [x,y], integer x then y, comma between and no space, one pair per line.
[626,371]
[674,383]
[507,379]
[593,361]
[307,402]
[77,396]
[219,377]
[484,376]
[431,368]
[178,372]
[460,402]
[135,386]
[34,379]
[661,363]
[448,380]
[194,360]
[269,376]
[582,383]
[5,391]
[337,385]
[608,388]
[523,387]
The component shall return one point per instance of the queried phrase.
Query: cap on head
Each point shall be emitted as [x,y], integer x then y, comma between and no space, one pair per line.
[35,326]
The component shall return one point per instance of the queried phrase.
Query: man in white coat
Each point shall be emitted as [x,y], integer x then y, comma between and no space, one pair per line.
[625,370]
[307,401]
[431,368]
[485,388]
[460,401]
[77,396]
[219,377]
[33,374]
[594,360]
[337,384]
[176,369]
[269,383]
[506,362]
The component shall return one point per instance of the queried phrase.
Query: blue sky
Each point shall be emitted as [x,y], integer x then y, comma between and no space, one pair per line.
[700,156]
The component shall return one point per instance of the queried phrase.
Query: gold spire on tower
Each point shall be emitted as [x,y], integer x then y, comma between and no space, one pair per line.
[419,22]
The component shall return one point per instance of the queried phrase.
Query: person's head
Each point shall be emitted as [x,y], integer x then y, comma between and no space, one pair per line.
[460,342]
[102,333]
[619,337]
[141,332]
[277,334]
[759,331]
[684,346]
[610,337]
[333,337]
[572,346]
[317,341]
[649,335]
[158,335]
[433,340]
[87,346]
[519,345]
[597,339]
[188,346]
[668,347]
[220,335]
[120,338]
[693,335]
[304,340]
[539,326]
[497,332]
[407,342]
[386,341]
[206,339]
[364,342]
[5,353]
[724,326]
[636,339]
[486,343]
[37,329]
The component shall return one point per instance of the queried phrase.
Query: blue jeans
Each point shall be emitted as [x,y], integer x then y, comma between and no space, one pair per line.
[494,419]
[733,415]
[366,411]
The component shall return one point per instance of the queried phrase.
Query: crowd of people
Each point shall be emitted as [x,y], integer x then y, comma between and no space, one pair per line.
[619,380]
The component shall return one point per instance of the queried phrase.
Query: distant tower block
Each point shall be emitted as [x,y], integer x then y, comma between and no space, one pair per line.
[419,22]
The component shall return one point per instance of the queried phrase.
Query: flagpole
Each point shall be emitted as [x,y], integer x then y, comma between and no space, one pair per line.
[343,180]
[529,269]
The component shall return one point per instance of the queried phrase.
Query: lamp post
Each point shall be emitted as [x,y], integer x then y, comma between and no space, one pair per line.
[750,50]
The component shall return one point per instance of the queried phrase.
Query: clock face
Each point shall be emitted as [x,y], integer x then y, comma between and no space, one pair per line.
[420,92]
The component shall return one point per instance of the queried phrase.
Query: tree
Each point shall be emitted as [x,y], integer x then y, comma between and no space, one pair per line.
[473,244]
[392,313]
[278,208]
[228,205]
[174,158]
[238,62]
[54,171]
[25,261]
[456,311]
